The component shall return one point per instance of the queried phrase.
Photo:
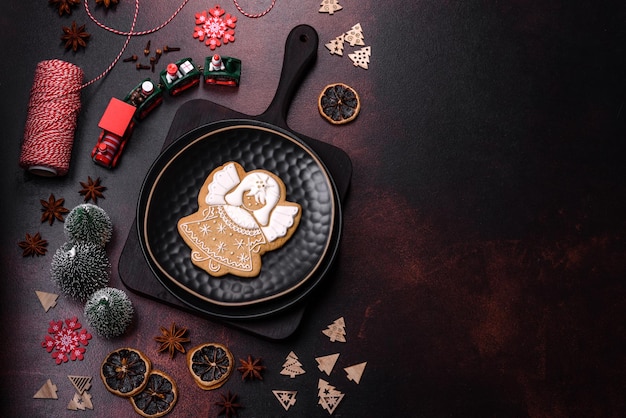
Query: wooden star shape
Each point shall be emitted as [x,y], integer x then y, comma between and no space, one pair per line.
[172,340]
[251,368]
[52,209]
[92,190]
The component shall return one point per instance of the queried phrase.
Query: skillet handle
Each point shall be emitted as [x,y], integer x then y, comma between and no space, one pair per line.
[300,55]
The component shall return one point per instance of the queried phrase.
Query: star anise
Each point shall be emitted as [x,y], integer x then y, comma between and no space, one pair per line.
[64,5]
[251,368]
[172,339]
[92,190]
[52,209]
[107,3]
[228,405]
[75,36]
[33,245]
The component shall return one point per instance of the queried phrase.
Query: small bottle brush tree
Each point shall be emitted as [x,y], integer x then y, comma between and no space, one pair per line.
[79,269]
[109,312]
[88,223]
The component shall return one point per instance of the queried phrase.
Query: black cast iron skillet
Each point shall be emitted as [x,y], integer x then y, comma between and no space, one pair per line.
[171,187]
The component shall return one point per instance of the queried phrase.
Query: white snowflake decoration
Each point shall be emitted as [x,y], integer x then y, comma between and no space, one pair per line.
[205,229]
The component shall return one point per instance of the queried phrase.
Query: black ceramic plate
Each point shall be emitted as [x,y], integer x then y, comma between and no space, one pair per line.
[170,192]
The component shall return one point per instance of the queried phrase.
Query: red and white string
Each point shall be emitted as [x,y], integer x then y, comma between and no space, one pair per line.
[54,106]
[254,16]
[52,113]
[126,41]
[131,32]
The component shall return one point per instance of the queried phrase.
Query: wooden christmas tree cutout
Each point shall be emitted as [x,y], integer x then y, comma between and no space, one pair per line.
[355,372]
[292,367]
[81,383]
[329,397]
[361,57]
[80,402]
[287,398]
[47,300]
[355,35]
[47,391]
[336,331]
[326,363]
[336,46]
[330,6]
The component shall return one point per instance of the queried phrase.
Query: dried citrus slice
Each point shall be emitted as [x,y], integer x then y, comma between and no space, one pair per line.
[125,371]
[210,365]
[339,103]
[158,397]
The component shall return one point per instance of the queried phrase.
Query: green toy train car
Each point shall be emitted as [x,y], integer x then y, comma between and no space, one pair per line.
[146,96]
[180,76]
[223,71]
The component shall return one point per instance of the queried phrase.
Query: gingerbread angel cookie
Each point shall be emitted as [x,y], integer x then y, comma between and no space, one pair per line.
[241,216]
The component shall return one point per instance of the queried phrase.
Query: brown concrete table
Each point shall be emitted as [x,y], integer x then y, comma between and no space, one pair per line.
[481,266]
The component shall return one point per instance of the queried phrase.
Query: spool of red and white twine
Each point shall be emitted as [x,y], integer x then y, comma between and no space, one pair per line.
[51,121]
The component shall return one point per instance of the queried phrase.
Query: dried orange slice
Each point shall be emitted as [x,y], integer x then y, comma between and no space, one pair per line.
[339,103]
[158,397]
[125,371]
[210,365]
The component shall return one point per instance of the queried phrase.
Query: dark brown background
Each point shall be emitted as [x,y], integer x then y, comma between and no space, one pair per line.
[481,270]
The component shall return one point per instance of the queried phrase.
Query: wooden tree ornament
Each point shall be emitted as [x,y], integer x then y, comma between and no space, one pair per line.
[287,398]
[336,331]
[330,6]
[326,363]
[355,36]
[47,300]
[81,383]
[80,402]
[361,57]
[292,367]
[336,45]
[47,391]
[329,397]
[355,372]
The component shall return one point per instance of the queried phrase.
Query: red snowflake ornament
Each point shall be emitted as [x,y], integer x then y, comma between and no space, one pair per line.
[65,343]
[214,27]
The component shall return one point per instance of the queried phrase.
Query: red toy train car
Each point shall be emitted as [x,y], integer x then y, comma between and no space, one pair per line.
[119,119]
[117,125]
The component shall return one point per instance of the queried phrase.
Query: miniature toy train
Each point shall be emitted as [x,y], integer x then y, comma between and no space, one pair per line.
[120,116]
